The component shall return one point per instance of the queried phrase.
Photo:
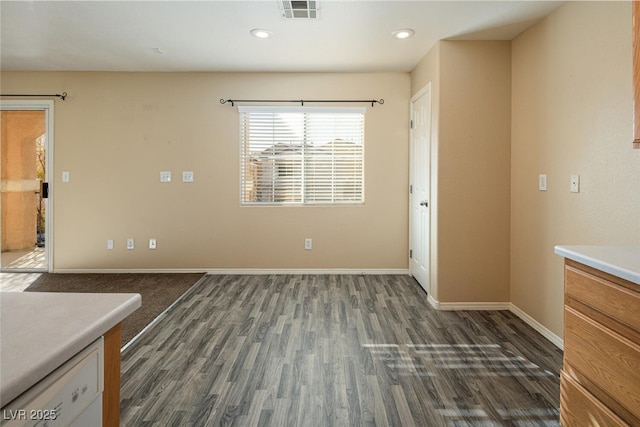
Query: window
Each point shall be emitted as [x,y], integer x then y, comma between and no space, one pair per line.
[302,155]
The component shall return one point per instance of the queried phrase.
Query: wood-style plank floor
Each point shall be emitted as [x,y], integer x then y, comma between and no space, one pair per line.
[335,350]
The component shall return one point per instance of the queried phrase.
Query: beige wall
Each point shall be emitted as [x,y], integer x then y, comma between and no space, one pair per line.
[562,89]
[569,90]
[572,114]
[117,131]
[471,167]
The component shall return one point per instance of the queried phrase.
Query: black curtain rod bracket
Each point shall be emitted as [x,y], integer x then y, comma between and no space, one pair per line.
[301,101]
[62,96]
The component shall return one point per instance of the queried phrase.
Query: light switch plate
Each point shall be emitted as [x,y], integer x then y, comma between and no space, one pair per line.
[65,176]
[187,176]
[542,182]
[165,176]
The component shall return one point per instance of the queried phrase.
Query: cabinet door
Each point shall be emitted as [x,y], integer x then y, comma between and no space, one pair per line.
[579,408]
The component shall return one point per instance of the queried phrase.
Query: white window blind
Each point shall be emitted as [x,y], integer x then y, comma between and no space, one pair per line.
[302,155]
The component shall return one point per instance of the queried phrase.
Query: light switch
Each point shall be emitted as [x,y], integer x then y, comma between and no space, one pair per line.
[65,176]
[542,182]
[165,176]
[187,176]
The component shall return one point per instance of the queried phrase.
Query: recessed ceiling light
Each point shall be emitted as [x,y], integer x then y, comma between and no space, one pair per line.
[261,33]
[403,33]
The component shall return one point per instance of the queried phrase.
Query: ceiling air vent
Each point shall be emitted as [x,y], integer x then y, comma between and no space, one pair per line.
[299,9]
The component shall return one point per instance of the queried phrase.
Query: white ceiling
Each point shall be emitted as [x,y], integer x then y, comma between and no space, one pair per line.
[214,35]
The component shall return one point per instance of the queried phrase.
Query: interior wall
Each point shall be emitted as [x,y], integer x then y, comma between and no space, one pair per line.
[117,131]
[474,187]
[471,173]
[571,114]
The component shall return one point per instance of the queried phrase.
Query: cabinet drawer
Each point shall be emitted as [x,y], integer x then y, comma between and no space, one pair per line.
[602,357]
[578,408]
[611,299]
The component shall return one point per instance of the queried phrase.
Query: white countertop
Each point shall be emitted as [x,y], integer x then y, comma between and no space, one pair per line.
[39,331]
[621,261]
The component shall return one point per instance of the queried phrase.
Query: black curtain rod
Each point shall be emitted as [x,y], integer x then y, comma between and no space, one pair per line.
[301,101]
[57,95]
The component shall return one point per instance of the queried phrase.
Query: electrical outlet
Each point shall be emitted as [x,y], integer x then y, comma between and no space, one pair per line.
[109,245]
[308,244]
[152,243]
[575,183]
[130,244]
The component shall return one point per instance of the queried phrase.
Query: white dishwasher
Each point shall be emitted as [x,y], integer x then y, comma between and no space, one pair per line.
[70,396]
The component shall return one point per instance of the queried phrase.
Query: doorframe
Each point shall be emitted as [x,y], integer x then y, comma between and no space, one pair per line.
[426,89]
[47,107]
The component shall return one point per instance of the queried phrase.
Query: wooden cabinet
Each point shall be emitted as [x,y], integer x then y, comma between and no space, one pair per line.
[600,379]
[111,393]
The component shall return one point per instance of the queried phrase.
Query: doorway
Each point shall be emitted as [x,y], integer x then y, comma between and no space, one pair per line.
[25,171]
[420,181]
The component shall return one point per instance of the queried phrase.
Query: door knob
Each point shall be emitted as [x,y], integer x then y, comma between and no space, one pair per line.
[424,203]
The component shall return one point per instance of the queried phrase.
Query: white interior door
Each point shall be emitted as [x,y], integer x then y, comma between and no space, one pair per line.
[420,162]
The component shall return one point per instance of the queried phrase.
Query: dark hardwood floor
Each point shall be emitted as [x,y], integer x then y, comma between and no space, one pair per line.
[335,350]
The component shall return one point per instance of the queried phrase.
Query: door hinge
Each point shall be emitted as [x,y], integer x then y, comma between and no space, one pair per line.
[45,190]
[410,188]
[410,253]
[411,124]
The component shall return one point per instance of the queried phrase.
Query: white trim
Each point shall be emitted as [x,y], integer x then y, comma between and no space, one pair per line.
[426,88]
[130,270]
[46,106]
[48,235]
[243,271]
[298,271]
[556,340]
[469,306]
[444,306]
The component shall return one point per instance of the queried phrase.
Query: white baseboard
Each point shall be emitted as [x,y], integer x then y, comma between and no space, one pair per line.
[244,271]
[300,271]
[130,270]
[556,340]
[478,306]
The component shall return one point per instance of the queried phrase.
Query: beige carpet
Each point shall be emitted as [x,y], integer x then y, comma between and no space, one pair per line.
[158,291]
